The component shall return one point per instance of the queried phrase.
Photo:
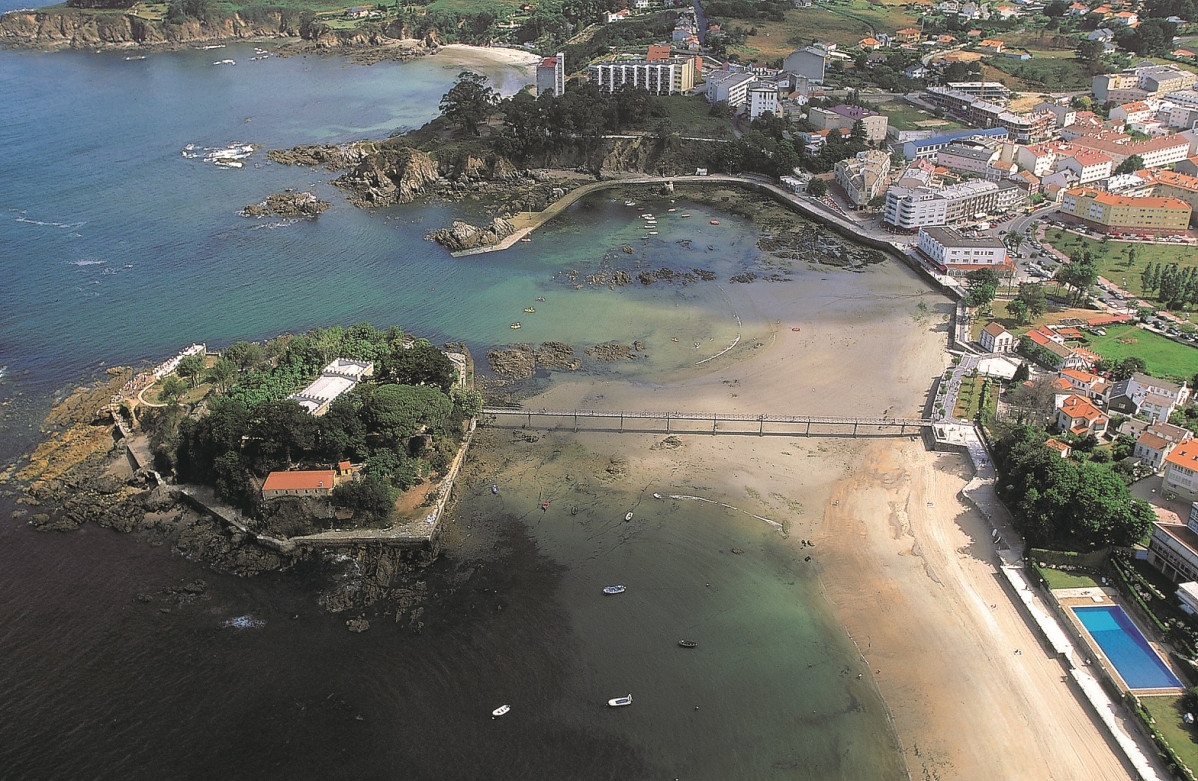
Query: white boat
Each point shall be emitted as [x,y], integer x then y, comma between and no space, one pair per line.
[225,62]
[628,517]
[618,702]
[614,589]
[630,203]
[138,57]
[502,710]
[229,163]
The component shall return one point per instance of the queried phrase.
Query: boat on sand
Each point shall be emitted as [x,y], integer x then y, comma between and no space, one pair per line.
[617,702]
[687,643]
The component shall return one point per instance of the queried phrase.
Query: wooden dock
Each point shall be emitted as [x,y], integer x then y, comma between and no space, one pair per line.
[642,421]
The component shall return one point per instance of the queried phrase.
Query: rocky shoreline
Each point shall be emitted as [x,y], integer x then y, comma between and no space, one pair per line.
[287,204]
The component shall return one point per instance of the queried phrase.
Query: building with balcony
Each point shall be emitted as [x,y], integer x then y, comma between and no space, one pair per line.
[1110,213]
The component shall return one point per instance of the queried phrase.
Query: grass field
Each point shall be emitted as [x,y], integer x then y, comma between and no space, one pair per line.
[1111,256]
[1166,711]
[500,7]
[690,116]
[1058,579]
[906,117]
[842,23]
[1164,357]
[1047,70]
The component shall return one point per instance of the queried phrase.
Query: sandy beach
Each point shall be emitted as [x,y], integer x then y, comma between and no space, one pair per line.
[907,568]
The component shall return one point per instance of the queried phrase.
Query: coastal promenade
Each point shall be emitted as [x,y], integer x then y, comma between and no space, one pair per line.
[641,421]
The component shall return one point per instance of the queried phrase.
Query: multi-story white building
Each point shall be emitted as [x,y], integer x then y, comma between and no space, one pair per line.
[844,117]
[660,77]
[1173,548]
[913,208]
[961,254]
[732,87]
[763,99]
[1087,165]
[1181,471]
[810,62]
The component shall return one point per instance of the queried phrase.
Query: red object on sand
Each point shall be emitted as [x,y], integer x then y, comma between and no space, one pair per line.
[795,328]
[544,505]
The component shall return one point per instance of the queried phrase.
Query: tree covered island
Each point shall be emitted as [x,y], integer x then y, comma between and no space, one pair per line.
[372,419]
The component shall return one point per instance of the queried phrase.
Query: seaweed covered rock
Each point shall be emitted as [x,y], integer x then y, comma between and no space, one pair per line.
[287,204]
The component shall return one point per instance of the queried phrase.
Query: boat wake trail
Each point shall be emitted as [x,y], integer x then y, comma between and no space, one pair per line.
[775,524]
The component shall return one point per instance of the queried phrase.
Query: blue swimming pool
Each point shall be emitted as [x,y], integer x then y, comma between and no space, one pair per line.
[1137,664]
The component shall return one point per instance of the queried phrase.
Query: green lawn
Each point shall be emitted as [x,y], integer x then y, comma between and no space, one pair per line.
[690,116]
[906,117]
[842,23]
[1059,579]
[1167,713]
[500,7]
[1047,70]
[1111,256]
[1164,357]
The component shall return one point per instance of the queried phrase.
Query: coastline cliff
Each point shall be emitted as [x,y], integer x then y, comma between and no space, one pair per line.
[59,26]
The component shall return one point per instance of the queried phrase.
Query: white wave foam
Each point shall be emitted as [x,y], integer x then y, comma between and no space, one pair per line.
[87,262]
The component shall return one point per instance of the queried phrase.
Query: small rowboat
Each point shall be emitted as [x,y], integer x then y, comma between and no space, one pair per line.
[529,309]
[795,328]
[628,517]
[502,710]
[687,643]
[715,222]
[544,505]
[525,238]
[514,326]
[494,489]
[613,589]
[620,701]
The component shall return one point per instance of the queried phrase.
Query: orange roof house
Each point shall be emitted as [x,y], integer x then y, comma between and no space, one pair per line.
[658,51]
[1059,446]
[316,482]
[1078,416]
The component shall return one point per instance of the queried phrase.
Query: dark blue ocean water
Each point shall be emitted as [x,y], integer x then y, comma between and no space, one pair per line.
[117,249]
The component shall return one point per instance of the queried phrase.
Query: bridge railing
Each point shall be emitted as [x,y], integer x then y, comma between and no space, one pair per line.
[731,417]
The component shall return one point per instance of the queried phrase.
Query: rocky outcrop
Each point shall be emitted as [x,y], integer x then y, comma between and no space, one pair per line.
[463,235]
[389,175]
[287,204]
[332,157]
[520,361]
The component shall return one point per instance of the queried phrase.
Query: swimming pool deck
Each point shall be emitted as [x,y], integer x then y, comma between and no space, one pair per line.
[1069,598]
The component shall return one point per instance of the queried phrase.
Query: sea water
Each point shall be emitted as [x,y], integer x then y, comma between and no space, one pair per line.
[118,249]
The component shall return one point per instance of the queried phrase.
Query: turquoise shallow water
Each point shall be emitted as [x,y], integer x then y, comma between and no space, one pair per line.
[117,249]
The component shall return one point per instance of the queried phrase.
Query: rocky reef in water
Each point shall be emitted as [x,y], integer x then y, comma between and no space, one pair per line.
[287,204]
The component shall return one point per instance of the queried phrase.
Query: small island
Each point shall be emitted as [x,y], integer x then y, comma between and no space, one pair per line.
[258,456]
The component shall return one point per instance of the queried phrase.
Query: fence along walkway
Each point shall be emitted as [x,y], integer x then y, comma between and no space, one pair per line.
[735,423]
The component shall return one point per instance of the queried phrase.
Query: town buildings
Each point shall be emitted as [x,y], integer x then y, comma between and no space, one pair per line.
[551,76]
[1173,548]
[919,149]
[660,77]
[958,254]
[865,176]
[1181,472]
[842,117]
[1109,213]
[1027,128]
[810,62]
[1140,82]
[996,339]
[912,208]
[1077,415]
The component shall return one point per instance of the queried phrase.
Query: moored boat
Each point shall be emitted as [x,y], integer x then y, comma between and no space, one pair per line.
[614,589]
[715,222]
[687,643]
[502,710]
[514,326]
[628,517]
[529,309]
[617,702]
